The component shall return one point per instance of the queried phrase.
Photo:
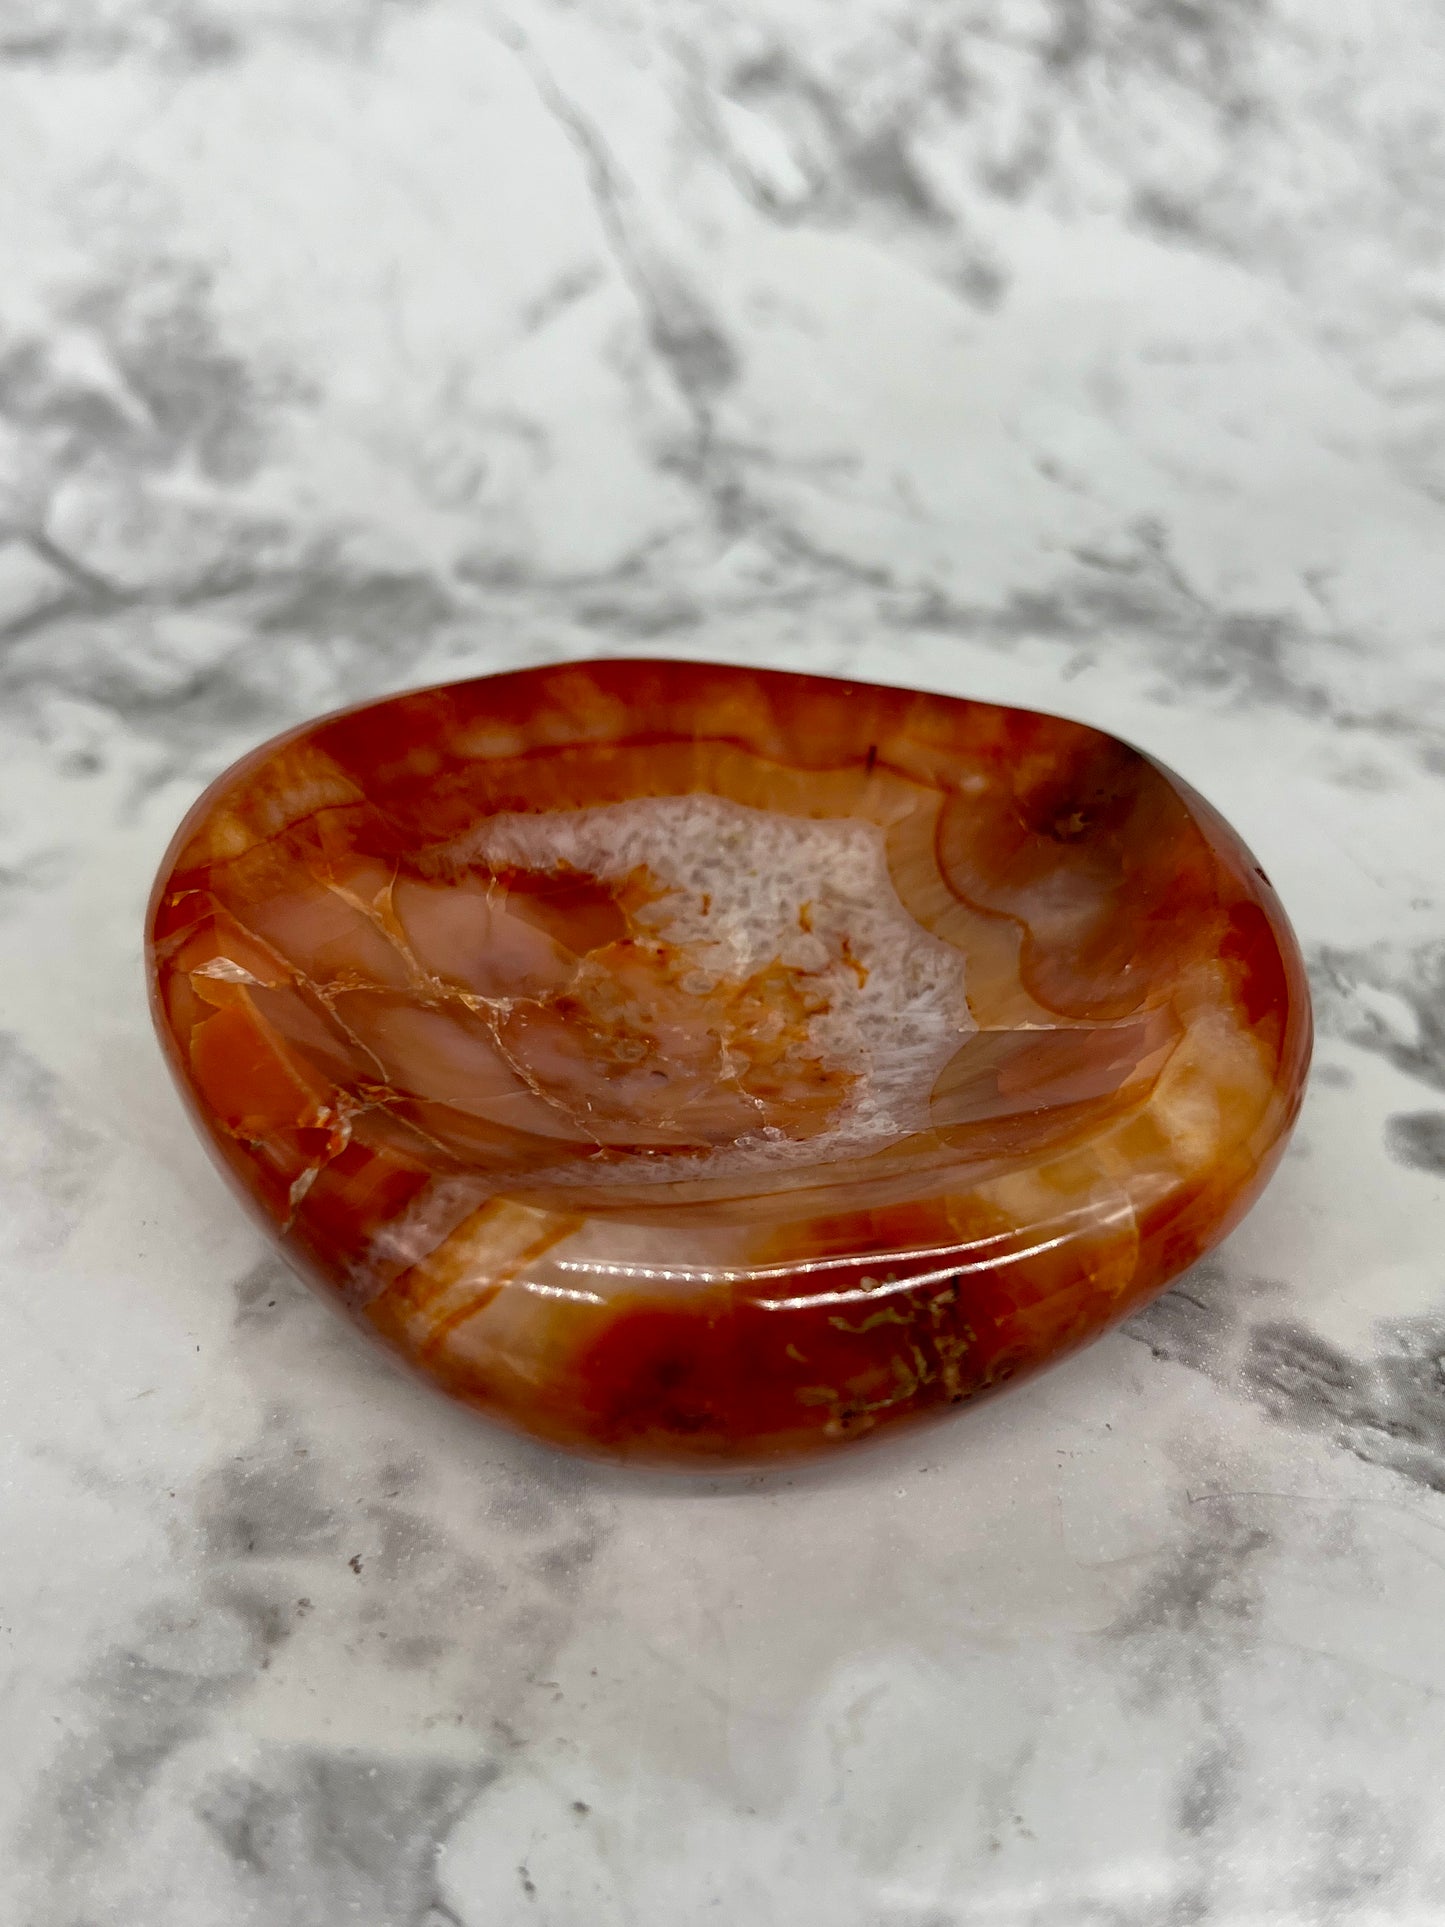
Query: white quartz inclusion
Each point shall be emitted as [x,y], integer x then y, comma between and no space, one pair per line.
[744,888]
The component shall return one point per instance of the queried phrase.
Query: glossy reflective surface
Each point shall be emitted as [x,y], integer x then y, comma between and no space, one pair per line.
[696,1064]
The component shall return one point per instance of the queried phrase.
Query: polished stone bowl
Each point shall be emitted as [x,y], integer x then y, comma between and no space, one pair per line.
[705,1065]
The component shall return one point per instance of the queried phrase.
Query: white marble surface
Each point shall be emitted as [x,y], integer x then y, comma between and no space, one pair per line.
[1083,353]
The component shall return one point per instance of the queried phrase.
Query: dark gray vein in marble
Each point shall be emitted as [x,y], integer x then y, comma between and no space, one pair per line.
[1408,1032]
[324,1836]
[1416,1139]
[1384,1405]
[1194,1616]
[699,356]
[1387,1409]
[274,1541]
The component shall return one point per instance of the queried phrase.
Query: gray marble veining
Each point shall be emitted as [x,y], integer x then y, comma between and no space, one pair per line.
[1088,354]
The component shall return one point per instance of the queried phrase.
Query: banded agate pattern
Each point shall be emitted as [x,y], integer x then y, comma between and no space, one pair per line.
[703,1065]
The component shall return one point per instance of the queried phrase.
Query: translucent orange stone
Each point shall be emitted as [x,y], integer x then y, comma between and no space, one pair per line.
[705,1065]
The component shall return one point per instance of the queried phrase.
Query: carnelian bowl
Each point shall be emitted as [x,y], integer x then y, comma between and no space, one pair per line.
[703,1065]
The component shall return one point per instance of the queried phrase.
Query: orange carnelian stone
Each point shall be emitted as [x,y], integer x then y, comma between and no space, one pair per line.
[704,1065]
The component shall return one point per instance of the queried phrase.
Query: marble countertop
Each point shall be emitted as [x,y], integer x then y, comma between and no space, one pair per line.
[1087,354]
